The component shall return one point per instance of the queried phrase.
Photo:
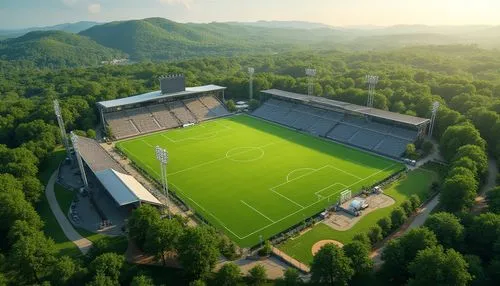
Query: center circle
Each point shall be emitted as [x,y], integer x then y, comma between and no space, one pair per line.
[245,154]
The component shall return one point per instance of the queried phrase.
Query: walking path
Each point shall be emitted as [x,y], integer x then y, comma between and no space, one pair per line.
[480,201]
[82,243]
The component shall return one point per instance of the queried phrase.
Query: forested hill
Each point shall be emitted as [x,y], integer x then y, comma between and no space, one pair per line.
[56,49]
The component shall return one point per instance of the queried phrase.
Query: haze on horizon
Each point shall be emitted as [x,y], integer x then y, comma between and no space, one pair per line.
[16,14]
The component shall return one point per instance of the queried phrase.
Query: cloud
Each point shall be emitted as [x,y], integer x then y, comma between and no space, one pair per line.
[185,3]
[69,2]
[94,8]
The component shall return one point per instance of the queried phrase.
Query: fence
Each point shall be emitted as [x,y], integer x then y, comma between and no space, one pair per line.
[290,260]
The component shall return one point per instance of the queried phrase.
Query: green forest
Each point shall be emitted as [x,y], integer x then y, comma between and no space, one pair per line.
[465,79]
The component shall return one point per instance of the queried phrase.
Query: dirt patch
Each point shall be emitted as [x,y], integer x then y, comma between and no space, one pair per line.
[344,221]
[317,246]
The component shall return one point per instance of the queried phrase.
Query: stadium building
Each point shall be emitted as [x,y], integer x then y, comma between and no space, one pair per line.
[375,130]
[174,105]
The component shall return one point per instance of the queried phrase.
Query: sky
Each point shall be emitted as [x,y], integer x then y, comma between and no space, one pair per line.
[33,13]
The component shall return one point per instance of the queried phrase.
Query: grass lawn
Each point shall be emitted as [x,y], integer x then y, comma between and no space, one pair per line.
[416,182]
[252,178]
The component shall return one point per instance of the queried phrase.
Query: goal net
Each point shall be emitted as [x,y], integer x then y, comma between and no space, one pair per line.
[345,196]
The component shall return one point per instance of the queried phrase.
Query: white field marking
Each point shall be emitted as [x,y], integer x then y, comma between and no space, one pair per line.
[288,181]
[212,215]
[147,165]
[345,172]
[324,198]
[288,176]
[219,159]
[256,210]
[147,143]
[327,187]
[283,196]
[262,152]
[205,136]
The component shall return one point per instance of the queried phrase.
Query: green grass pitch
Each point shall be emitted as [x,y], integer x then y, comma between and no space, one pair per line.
[253,179]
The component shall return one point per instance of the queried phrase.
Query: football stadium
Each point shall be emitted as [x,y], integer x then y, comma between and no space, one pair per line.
[254,175]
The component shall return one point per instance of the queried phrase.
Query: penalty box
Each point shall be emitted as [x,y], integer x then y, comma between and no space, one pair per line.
[316,184]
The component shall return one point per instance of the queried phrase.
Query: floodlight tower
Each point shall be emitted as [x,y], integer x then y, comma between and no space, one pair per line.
[435,107]
[162,157]
[60,121]
[74,140]
[372,81]
[251,71]
[310,73]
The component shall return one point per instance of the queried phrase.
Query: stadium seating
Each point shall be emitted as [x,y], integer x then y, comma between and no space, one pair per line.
[181,112]
[163,116]
[130,122]
[120,124]
[378,137]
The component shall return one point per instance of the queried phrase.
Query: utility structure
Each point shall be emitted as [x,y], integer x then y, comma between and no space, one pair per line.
[251,71]
[435,108]
[62,128]
[372,81]
[74,140]
[162,157]
[310,73]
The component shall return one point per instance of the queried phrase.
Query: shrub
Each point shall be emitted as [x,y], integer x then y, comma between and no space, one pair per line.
[362,237]
[407,206]
[375,234]
[253,104]
[415,201]
[385,224]
[228,248]
[427,147]
[266,249]
[257,275]
[398,217]
[231,106]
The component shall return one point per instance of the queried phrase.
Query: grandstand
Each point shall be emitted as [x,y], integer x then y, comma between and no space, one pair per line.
[172,106]
[379,131]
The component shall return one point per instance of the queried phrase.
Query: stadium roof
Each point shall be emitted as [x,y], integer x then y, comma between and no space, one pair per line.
[124,188]
[155,95]
[370,111]
[95,156]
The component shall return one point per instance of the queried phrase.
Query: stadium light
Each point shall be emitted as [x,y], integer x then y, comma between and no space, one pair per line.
[372,81]
[310,73]
[251,71]
[162,157]
[62,128]
[435,108]
[74,140]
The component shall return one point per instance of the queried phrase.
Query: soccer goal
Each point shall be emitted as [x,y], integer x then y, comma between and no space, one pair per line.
[345,196]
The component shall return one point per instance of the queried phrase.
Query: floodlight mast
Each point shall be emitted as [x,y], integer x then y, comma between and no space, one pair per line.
[435,108]
[251,71]
[310,73]
[162,157]
[372,81]
[74,140]
[62,129]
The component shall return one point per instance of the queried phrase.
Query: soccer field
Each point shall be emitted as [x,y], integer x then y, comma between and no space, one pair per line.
[253,179]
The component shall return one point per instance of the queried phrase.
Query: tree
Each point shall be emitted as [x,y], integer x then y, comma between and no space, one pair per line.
[476,270]
[385,224]
[415,201]
[257,275]
[231,106]
[448,229]
[253,104]
[359,254]
[331,266]
[163,236]
[228,248]
[427,147]
[375,234]
[484,120]
[458,193]
[198,251]
[398,217]
[493,199]
[64,271]
[141,220]
[228,275]
[142,280]
[33,255]
[411,151]
[398,253]
[266,249]
[482,234]
[102,280]
[457,136]
[434,266]
[107,264]
[477,155]
[363,238]
[407,207]
[291,277]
